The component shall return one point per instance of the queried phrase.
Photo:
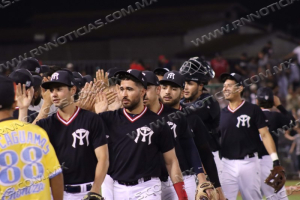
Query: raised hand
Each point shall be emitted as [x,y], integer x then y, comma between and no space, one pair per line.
[23,96]
[101,104]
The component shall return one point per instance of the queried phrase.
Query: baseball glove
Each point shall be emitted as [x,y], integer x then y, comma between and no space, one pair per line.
[93,196]
[277,178]
[201,193]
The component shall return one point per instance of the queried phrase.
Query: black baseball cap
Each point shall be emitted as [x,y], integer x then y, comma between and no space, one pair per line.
[112,71]
[79,81]
[45,68]
[134,73]
[37,80]
[151,78]
[32,65]
[87,78]
[160,71]
[22,76]
[265,94]
[173,77]
[238,78]
[61,76]
[7,90]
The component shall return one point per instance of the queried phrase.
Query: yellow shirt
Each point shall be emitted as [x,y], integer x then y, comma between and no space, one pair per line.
[27,162]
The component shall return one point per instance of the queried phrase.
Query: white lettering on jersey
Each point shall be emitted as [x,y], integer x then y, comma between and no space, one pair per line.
[243,119]
[173,127]
[80,134]
[144,131]
[54,76]
[171,76]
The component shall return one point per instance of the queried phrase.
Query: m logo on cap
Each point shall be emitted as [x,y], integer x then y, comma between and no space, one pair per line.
[171,76]
[129,70]
[27,84]
[266,97]
[54,76]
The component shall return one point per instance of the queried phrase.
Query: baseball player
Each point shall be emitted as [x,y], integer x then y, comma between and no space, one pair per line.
[198,73]
[78,137]
[266,100]
[241,124]
[186,151]
[28,163]
[172,88]
[136,146]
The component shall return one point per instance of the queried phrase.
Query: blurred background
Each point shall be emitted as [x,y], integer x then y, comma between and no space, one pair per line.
[159,35]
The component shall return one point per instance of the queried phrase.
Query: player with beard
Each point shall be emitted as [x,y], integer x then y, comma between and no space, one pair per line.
[198,73]
[135,148]
[185,148]
[172,86]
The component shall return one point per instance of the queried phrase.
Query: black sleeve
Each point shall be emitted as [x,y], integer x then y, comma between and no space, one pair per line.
[98,132]
[43,123]
[286,113]
[165,139]
[204,150]
[259,118]
[191,154]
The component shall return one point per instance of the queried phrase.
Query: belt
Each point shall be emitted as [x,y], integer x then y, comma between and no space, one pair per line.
[163,178]
[132,183]
[250,155]
[77,188]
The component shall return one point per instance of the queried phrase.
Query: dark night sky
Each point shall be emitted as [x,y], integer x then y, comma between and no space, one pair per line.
[16,14]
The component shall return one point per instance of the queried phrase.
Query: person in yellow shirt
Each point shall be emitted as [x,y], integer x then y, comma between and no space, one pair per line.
[28,163]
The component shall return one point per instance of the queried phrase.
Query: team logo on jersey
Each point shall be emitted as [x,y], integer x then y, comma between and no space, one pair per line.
[243,119]
[144,131]
[80,134]
[54,76]
[171,76]
[173,127]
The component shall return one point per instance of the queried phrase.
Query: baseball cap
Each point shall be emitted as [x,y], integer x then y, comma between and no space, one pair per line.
[265,94]
[87,78]
[79,81]
[62,76]
[160,71]
[112,71]
[33,65]
[22,76]
[238,78]
[45,68]
[134,73]
[7,90]
[151,78]
[173,77]
[197,77]
[37,80]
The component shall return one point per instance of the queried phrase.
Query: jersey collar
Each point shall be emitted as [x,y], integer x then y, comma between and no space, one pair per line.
[71,118]
[161,109]
[236,107]
[136,117]
[265,109]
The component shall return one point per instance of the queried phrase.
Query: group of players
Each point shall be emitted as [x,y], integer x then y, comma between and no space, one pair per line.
[136,135]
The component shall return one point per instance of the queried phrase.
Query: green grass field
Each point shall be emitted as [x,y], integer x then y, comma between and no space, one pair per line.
[293,196]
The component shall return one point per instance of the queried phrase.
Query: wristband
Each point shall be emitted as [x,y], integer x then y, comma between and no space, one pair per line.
[274,156]
[180,190]
[276,163]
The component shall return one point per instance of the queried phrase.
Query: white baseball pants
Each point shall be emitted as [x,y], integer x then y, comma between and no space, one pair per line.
[169,193]
[266,165]
[107,188]
[218,162]
[241,175]
[149,190]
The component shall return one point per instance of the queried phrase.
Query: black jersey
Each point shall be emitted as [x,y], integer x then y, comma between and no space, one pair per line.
[31,115]
[275,120]
[135,146]
[208,109]
[74,142]
[239,130]
[181,132]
